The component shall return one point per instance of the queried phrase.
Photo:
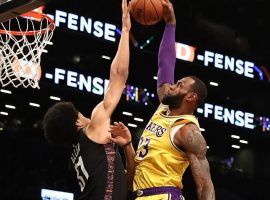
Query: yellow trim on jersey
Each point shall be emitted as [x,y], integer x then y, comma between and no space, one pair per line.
[174,146]
[190,118]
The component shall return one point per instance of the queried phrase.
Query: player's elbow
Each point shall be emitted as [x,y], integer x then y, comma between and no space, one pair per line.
[121,73]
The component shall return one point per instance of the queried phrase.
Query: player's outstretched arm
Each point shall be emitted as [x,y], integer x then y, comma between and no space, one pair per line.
[118,76]
[120,64]
[166,54]
[195,147]
[122,137]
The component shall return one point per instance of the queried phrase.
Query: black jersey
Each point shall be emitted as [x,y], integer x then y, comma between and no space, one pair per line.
[99,170]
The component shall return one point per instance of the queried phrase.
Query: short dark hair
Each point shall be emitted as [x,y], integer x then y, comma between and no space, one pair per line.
[59,124]
[200,89]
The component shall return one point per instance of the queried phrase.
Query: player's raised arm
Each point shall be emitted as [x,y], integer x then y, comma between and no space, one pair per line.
[120,64]
[166,54]
[190,138]
[118,76]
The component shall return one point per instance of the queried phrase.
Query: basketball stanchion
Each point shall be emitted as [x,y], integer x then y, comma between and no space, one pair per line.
[22,41]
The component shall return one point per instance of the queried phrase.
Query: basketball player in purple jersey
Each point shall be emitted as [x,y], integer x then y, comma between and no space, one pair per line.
[172,140]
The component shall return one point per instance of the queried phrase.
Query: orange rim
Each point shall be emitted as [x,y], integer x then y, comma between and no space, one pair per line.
[36,16]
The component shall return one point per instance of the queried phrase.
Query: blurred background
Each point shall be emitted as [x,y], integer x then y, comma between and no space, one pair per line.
[225,43]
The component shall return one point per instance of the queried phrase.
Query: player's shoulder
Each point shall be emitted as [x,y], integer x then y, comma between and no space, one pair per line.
[191,129]
[191,139]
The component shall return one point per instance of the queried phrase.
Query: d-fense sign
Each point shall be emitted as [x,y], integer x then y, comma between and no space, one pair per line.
[216,60]
[235,117]
[84,24]
[95,85]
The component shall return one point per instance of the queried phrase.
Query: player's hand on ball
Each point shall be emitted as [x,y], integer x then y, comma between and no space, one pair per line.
[120,134]
[126,24]
[168,14]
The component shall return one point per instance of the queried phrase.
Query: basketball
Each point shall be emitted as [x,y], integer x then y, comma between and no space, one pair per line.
[146,12]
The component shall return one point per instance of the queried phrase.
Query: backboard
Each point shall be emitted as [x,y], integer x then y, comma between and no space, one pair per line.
[12,8]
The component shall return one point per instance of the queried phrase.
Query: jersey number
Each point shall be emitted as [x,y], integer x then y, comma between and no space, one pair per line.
[144,150]
[82,174]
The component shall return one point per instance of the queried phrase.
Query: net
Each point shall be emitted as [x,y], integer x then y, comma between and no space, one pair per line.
[22,41]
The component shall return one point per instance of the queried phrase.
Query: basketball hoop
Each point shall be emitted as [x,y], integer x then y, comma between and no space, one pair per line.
[22,41]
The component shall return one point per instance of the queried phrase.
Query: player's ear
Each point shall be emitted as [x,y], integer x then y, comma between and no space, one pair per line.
[191,96]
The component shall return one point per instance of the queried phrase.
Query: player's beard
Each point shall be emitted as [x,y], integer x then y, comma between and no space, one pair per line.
[173,101]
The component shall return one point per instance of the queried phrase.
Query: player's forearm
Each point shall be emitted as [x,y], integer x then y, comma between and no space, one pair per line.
[130,163]
[206,191]
[120,63]
[167,56]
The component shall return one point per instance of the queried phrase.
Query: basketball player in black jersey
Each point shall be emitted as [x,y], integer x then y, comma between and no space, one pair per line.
[97,166]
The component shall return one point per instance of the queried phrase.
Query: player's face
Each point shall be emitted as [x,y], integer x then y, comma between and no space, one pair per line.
[177,92]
